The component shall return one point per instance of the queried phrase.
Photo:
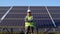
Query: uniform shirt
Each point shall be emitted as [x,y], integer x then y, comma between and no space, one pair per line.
[29,21]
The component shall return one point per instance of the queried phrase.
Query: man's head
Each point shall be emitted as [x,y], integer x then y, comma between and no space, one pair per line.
[28,12]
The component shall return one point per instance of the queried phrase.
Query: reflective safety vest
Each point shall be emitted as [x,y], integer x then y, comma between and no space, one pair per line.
[27,23]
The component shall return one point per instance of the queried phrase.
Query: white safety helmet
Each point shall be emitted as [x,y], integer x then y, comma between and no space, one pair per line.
[28,10]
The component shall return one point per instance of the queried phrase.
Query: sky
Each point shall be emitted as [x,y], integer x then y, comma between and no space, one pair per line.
[29,2]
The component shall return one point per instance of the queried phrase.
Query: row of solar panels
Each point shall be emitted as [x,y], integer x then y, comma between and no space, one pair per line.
[41,17]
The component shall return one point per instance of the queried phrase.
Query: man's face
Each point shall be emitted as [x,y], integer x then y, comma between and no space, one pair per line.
[28,13]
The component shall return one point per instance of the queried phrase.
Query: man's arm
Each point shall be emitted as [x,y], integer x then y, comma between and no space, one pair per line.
[26,19]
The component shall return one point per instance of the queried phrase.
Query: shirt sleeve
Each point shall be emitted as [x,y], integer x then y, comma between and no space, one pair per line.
[26,20]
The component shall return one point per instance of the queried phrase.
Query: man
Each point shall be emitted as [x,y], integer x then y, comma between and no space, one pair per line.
[29,24]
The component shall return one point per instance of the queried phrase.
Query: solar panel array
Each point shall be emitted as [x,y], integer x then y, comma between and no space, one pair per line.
[41,18]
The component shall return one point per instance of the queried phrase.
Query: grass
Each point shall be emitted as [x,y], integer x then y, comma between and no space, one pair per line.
[34,32]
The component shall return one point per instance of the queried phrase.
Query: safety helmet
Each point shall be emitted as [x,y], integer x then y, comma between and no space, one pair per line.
[28,11]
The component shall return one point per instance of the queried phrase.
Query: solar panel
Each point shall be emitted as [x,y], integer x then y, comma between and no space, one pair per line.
[16,16]
[39,13]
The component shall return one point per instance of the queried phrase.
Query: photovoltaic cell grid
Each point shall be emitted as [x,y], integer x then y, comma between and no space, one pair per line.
[41,18]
